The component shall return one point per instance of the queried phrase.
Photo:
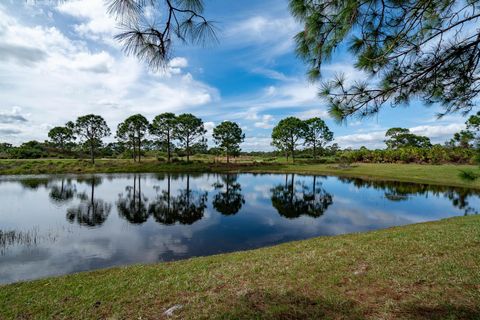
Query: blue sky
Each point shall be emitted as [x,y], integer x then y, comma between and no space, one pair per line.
[59,61]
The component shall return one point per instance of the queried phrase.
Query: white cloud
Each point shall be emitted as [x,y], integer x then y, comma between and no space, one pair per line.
[270,73]
[95,23]
[73,79]
[371,140]
[257,144]
[439,131]
[375,139]
[13,116]
[266,36]
[259,121]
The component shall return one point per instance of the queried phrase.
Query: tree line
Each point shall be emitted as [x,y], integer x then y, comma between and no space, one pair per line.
[167,132]
[292,137]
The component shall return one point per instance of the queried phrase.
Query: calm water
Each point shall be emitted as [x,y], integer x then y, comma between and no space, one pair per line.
[53,225]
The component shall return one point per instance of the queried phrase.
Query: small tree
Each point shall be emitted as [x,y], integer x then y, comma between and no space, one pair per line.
[317,134]
[401,138]
[228,136]
[189,130]
[133,130]
[162,127]
[91,129]
[287,134]
[61,136]
[462,139]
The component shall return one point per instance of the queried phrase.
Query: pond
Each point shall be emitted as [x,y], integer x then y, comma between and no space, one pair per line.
[54,225]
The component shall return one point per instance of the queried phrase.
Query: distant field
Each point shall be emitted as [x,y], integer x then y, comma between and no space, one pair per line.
[430,174]
[423,271]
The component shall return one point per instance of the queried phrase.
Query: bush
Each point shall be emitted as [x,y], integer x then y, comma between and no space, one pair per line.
[437,154]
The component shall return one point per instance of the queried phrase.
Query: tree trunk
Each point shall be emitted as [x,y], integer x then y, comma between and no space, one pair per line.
[228,160]
[134,151]
[168,193]
[92,155]
[169,154]
[293,154]
[314,151]
[188,150]
[92,196]
[139,149]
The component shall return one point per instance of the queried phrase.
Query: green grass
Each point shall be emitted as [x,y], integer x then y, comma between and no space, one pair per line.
[423,271]
[430,174]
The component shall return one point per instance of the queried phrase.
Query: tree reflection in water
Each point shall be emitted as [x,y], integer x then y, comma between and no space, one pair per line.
[292,202]
[186,207]
[90,212]
[401,191]
[132,205]
[63,192]
[34,183]
[230,199]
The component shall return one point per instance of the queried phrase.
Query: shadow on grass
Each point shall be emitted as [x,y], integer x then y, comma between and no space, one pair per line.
[292,306]
[442,311]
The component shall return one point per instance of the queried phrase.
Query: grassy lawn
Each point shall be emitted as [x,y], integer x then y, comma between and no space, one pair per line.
[431,174]
[423,271]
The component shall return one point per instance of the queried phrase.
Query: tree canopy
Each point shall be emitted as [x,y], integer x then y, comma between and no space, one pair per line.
[400,138]
[162,128]
[133,130]
[228,136]
[61,136]
[91,129]
[317,134]
[287,134]
[410,49]
[189,130]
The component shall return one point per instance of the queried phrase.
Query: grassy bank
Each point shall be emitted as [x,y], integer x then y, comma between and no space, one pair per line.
[431,174]
[423,271]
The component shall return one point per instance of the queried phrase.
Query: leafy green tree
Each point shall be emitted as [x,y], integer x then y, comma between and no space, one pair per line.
[402,138]
[473,126]
[133,130]
[91,129]
[463,139]
[228,136]
[287,134]
[317,134]
[422,49]
[162,127]
[189,130]
[61,136]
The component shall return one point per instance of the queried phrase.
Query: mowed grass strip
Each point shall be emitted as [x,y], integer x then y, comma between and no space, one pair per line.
[422,271]
[428,174]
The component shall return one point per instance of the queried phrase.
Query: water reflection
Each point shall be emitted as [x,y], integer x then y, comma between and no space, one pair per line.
[90,212]
[229,200]
[402,191]
[185,207]
[132,205]
[34,183]
[161,208]
[62,192]
[293,200]
[52,225]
